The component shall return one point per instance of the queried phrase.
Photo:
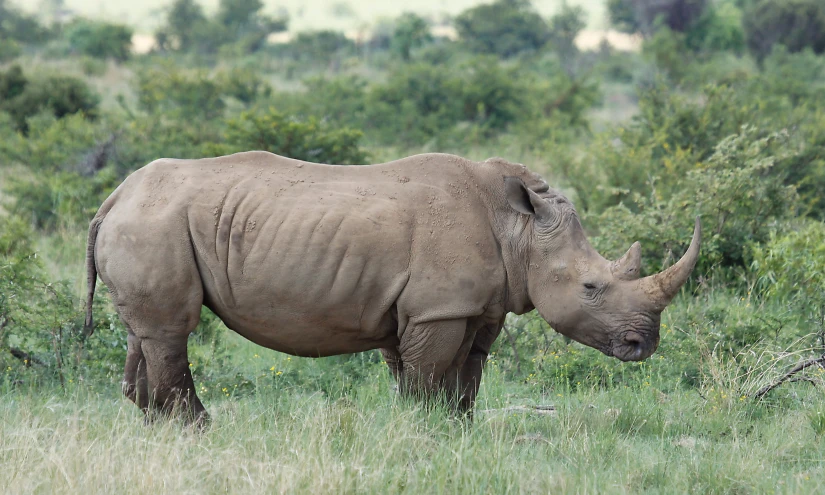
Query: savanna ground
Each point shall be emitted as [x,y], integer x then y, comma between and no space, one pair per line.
[706,120]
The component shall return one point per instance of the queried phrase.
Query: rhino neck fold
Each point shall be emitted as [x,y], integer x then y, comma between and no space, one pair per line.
[516,258]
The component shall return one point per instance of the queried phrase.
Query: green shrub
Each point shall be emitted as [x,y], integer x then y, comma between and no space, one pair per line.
[415,103]
[504,27]
[563,28]
[322,46]
[20,27]
[339,101]
[179,94]
[796,24]
[185,24]
[243,85]
[22,98]
[100,39]
[41,322]
[237,28]
[410,31]
[648,15]
[735,192]
[791,266]
[60,199]
[718,29]
[268,130]
[9,50]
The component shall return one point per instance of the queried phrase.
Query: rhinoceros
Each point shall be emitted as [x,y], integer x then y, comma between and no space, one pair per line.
[421,258]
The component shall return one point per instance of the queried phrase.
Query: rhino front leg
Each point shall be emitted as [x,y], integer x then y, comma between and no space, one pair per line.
[427,350]
[469,378]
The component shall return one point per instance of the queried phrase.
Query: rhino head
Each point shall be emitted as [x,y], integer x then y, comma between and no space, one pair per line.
[600,303]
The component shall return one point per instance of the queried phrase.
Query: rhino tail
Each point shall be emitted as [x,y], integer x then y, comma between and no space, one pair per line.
[91,265]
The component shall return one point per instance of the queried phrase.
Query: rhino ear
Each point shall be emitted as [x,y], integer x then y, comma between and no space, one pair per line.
[523,200]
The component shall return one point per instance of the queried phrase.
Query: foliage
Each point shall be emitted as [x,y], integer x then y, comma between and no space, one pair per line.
[238,27]
[796,24]
[9,49]
[40,325]
[58,95]
[20,27]
[338,101]
[410,31]
[564,26]
[415,103]
[622,16]
[268,130]
[734,192]
[719,29]
[180,94]
[504,27]
[322,46]
[791,267]
[100,39]
[186,28]
[647,16]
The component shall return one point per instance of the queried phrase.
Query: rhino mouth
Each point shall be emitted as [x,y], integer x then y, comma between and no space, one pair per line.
[632,346]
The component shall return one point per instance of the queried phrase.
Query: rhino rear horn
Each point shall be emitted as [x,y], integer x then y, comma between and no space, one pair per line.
[628,266]
[663,287]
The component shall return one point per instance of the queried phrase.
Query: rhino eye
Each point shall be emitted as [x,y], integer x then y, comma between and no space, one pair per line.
[589,286]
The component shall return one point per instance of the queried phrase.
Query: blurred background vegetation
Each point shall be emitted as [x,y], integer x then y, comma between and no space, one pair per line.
[679,108]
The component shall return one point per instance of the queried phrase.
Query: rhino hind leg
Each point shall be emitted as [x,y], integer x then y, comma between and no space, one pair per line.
[171,387]
[159,319]
[135,381]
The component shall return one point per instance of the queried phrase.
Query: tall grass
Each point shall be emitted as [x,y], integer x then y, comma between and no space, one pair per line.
[287,439]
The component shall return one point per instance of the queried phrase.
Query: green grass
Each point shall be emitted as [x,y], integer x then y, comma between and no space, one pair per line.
[286,435]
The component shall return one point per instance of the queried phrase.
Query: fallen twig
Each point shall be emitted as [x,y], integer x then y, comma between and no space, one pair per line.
[796,369]
[548,409]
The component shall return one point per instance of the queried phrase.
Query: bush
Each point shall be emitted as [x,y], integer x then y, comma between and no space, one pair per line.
[410,31]
[796,24]
[648,15]
[319,46]
[718,29]
[504,27]
[268,130]
[180,95]
[41,322]
[59,96]
[563,28]
[20,27]
[735,192]
[338,101]
[9,50]
[414,104]
[791,267]
[237,28]
[100,39]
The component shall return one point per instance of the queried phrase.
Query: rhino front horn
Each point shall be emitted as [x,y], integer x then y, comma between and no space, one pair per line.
[664,286]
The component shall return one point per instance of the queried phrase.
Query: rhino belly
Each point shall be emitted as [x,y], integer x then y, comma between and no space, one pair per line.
[309,278]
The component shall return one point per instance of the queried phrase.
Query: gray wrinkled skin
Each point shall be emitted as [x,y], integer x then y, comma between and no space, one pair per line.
[421,257]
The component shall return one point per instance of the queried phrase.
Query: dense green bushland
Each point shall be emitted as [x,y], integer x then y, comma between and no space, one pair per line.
[721,129]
